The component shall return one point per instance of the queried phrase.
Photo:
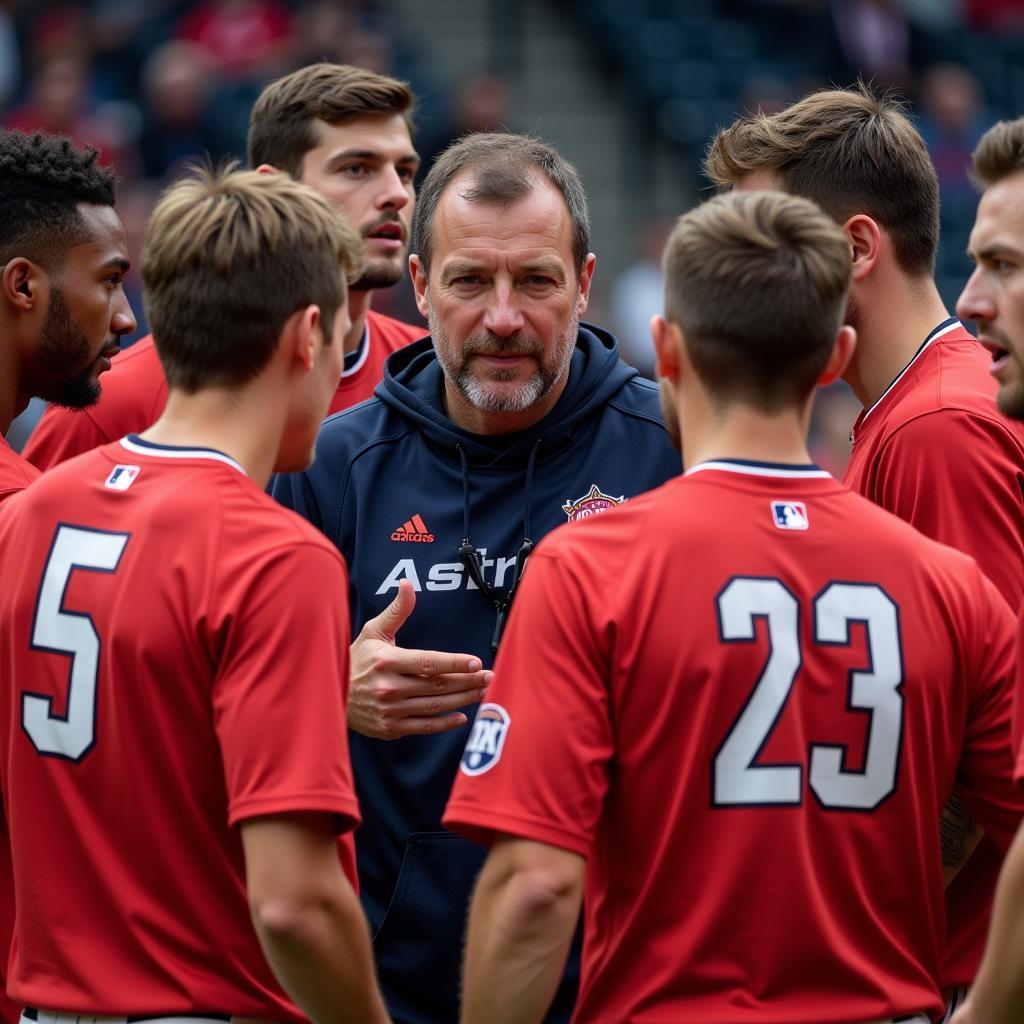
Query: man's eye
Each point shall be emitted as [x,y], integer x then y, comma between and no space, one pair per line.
[354,170]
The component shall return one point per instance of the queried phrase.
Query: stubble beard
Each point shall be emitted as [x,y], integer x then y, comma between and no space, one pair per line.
[483,394]
[62,344]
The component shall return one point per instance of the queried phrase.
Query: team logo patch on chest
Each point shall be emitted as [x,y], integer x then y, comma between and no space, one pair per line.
[790,515]
[593,502]
[486,740]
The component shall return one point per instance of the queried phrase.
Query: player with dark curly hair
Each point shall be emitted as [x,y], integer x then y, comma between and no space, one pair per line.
[63,258]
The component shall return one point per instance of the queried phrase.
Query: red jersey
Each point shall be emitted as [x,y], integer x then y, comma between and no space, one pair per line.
[15,475]
[383,336]
[135,393]
[749,733]
[170,673]
[935,451]
[15,472]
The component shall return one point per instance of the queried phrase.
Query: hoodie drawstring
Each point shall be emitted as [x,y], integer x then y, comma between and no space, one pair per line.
[472,560]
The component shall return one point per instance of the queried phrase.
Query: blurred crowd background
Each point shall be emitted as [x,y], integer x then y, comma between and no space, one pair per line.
[629,90]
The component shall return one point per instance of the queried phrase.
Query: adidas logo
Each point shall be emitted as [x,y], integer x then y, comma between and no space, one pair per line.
[414,530]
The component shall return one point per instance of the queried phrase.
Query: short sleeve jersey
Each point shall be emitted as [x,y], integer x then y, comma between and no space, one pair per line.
[935,451]
[135,393]
[15,472]
[748,722]
[383,336]
[176,663]
[15,475]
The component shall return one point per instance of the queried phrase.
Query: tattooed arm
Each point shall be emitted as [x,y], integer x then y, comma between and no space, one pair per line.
[959,834]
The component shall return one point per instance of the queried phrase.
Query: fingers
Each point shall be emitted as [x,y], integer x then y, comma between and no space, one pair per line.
[403,662]
[386,625]
[436,704]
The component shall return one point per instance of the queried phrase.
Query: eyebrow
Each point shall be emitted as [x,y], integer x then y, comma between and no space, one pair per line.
[551,267]
[994,250]
[459,267]
[372,154]
[118,261]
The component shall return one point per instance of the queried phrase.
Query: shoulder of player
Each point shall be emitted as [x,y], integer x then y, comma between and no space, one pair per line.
[394,333]
[949,430]
[258,528]
[898,541]
[606,537]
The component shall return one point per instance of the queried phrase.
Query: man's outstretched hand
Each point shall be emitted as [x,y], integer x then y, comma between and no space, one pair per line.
[396,692]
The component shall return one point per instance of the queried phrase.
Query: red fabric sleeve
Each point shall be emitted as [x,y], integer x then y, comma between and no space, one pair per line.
[61,434]
[985,777]
[971,504]
[279,697]
[550,780]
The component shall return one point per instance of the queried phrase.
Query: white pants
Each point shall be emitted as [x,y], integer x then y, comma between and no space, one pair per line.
[54,1017]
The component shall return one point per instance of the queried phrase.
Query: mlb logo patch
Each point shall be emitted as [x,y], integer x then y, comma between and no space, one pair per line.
[486,740]
[121,477]
[790,515]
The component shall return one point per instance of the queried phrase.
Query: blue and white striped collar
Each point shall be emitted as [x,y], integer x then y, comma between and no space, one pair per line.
[746,467]
[139,446]
[950,324]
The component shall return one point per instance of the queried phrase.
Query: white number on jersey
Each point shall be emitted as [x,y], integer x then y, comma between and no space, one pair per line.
[73,633]
[738,779]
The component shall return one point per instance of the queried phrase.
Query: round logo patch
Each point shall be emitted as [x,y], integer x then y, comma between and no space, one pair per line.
[486,740]
[592,503]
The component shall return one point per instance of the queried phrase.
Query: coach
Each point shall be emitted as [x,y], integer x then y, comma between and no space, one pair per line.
[511,419]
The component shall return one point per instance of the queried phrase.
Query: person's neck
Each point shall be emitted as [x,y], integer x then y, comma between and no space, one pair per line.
[358,307]
[742,432]
[12,401]
[464,414]
[891,326]
[246,425]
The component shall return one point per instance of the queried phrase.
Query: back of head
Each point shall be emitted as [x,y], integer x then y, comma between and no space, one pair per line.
[228,257]
[851,152]
[504,168]
[757,282]
[282,125]
[43,179]
[999,154]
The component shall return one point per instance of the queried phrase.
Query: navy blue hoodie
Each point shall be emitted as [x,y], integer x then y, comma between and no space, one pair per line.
[399,487]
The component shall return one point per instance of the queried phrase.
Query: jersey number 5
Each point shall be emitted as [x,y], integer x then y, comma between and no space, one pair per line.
[72,735]
[738,779]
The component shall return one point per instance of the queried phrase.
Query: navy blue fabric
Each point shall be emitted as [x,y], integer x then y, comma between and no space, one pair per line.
[377,465]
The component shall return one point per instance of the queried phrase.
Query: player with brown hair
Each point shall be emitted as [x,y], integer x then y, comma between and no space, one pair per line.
[994,299]
[929,444]
[171,781]
[346,132]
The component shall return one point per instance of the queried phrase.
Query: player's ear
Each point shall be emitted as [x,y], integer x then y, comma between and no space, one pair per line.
[586,276]
[865,243]
[419,284]
[23,283]
[839,360]
[304,336]
[668,342]
[268,169]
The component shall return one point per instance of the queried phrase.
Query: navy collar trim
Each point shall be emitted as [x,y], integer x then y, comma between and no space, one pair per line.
[745,467]
[139,446]
[355,361]
[947,325]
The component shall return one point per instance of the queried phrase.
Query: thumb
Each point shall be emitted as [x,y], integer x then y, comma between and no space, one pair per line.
[391,620]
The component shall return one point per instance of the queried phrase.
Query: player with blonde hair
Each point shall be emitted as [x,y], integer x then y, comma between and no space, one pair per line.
[173,723]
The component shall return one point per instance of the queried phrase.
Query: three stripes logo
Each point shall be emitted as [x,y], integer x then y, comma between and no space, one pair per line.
[414,530]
